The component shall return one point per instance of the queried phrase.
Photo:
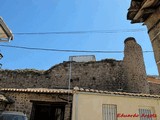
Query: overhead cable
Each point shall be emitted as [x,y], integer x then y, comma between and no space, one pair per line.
[63,50]
[79,32]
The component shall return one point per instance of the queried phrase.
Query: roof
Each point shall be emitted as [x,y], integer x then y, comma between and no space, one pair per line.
[140,10]
[116,93]
[38,90]
[6,29]
[153,79]
[76,90]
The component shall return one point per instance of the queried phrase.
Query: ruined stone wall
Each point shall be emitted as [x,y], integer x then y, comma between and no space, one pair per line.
[23,102]
[105,75]
[154,88]
[128,75]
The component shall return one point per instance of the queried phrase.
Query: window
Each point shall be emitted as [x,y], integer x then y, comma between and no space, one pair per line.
[146,114]
[109,112]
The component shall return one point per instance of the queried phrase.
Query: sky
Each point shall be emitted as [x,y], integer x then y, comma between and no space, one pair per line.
[43,16]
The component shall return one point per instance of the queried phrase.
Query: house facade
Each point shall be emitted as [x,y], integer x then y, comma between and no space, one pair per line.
[83,104]
[90,104]
[41,103]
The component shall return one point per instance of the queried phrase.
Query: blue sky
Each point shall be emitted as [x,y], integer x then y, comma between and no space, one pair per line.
[63,16]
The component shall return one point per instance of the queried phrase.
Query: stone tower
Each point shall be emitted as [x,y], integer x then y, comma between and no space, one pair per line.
[134,67]
[148,13]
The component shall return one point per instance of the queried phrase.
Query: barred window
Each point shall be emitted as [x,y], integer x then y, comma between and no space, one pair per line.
[144,112]
[109,112]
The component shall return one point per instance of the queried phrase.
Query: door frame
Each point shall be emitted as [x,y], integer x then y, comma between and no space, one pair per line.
[45,103]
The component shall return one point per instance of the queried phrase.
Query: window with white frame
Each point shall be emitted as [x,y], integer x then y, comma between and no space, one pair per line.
[109,112]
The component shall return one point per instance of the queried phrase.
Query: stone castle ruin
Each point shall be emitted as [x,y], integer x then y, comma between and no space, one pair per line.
[127,75]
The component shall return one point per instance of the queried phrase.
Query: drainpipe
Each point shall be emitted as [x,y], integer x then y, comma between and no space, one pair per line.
[76,106]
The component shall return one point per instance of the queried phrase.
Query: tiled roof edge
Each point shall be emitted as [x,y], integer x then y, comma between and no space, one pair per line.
[38,90]
[74,90]
[5,27]
[115,93]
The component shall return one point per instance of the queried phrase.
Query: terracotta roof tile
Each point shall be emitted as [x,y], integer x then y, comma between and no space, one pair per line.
[152,79]
[76,89]
[115,93]
[38,90]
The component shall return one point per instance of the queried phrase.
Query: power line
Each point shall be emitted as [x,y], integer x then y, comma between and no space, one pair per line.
[62,50]
[80,32]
